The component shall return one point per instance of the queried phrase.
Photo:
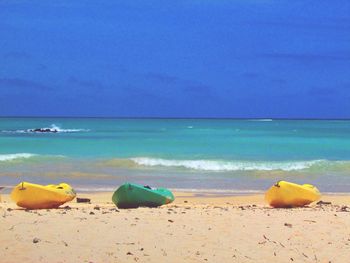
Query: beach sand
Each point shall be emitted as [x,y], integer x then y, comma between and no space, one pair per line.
[202,228]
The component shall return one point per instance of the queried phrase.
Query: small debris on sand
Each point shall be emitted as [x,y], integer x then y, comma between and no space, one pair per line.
[36,240]
[344,208]
[323,203]
[311,221]
[83,200]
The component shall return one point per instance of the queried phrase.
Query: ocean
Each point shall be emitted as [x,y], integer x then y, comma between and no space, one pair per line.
[208,155]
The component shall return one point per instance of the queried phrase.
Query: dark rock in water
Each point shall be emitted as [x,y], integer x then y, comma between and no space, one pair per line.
[83,200]
[43,130]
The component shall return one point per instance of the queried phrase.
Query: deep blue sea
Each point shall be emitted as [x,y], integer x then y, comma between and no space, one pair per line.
[232,156]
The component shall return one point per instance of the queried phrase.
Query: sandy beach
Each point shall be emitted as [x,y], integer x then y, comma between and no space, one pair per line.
[202,228]
[235,108]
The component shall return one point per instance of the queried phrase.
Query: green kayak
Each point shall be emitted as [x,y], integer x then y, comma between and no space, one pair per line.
[133,195]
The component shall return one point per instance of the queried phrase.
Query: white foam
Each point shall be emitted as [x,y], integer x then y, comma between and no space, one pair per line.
[263,120]
[58,129]
[25,156]
[218,165]
[11,157]
[218,191]
[16,131]
[52,128]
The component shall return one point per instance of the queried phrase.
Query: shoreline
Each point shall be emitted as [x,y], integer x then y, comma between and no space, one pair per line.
[205,193]
[105,198]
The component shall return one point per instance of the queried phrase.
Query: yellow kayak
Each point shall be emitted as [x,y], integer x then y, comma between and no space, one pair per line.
[286,194]
[35,196]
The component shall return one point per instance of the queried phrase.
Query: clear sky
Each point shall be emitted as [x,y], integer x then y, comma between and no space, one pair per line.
[191,58]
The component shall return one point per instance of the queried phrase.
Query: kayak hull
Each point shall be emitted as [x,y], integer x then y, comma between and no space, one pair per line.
[132,196]
[285,194]
[35,196]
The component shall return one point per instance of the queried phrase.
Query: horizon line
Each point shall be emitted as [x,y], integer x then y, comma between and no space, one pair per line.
[170,118]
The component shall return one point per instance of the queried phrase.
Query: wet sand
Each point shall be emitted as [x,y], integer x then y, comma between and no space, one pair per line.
[200,228]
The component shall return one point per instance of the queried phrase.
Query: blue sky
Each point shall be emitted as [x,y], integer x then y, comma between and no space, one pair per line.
[239,58]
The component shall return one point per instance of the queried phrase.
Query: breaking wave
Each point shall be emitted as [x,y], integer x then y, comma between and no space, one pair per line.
[12,157]
[15,157]
[53,128]
[218,166]
[226,166]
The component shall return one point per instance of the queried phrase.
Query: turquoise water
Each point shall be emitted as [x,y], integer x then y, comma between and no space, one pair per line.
[216,155]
